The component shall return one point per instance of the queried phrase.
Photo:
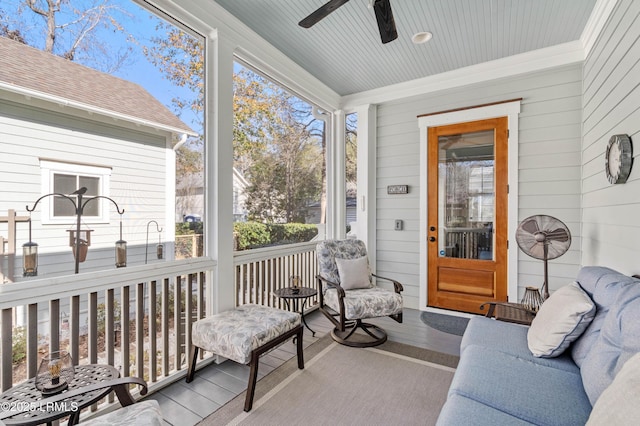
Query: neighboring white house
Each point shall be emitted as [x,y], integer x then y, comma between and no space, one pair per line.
[190,197]
[64,126]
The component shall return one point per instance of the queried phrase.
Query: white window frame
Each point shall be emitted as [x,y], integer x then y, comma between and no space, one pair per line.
[49,168]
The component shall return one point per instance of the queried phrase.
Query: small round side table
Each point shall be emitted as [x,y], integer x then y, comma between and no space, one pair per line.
[297,294]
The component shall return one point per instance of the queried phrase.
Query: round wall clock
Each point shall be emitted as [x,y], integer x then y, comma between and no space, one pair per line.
[618,158]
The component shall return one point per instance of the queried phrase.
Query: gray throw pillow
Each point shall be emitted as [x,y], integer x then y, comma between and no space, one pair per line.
[354,273]
[562,318]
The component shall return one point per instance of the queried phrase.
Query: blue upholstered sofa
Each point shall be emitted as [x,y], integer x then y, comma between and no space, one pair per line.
[499,382]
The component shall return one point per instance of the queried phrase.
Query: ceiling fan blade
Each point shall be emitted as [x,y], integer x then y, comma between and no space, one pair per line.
[386,23]
[321,13]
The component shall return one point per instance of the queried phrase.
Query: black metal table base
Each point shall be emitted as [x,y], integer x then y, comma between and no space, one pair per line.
[301,293]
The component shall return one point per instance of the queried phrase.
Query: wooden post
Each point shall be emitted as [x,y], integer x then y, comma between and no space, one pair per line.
[11,219]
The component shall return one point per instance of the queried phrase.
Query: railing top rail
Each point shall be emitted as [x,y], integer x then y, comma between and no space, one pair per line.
[246,256]
[45,289]
[478,230]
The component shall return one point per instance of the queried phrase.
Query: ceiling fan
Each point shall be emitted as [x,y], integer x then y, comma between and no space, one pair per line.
[382,8]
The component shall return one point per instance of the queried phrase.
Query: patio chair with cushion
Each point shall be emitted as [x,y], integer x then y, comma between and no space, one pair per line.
[142,413]
[349,295]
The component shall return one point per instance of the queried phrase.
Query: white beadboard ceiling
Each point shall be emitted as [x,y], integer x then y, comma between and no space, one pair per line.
[344,49]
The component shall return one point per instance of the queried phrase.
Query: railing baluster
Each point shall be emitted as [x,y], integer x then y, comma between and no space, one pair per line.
[202,307]
[109,326]
[260,283]
[270,281]
[201,296]
[93,327]
[276,278]
[153,343]
[165,327]
[188,310]
[177,321]
[54,325]
[74,329]
[252,282]
[140,330]
[7,349]
[32,340]
[109,329]
[124,340]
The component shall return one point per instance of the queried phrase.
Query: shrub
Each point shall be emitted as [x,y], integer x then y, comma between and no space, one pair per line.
[248,235]
[289,233]
[185,228]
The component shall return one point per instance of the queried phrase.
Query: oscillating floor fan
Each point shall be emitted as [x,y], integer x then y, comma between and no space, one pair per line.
[543,237]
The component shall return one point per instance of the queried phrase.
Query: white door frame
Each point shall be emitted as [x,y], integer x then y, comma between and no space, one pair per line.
[511,110]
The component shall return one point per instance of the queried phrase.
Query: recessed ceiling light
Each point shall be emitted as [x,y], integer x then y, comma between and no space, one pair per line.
[421,37]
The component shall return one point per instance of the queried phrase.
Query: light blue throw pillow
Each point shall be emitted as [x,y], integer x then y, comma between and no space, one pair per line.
[618,341]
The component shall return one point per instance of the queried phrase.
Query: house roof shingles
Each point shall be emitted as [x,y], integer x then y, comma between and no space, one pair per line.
[25,67]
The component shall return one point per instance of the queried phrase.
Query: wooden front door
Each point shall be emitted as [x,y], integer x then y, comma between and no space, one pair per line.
[467,214]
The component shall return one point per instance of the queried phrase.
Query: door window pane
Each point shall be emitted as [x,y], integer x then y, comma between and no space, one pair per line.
[466,195]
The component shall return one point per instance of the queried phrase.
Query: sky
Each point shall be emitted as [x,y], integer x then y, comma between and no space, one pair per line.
[136,21]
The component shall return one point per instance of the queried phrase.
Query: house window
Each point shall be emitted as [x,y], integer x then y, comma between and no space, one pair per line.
[66,178]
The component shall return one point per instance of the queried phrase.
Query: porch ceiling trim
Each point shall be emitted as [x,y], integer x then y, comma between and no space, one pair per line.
[537,60]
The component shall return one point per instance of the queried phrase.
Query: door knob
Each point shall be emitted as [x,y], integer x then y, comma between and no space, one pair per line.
[433,228]
[432,239]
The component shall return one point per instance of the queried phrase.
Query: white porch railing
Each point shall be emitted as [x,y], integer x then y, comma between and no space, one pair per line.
[90,315]
[469,243]
[148,303]
[259,272]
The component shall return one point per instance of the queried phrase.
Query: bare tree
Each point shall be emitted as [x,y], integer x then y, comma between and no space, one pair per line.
[68,29]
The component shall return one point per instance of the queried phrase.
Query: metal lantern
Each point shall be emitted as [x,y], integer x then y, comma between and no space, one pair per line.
[30,257]
[121,254]
[55,373]
[294,283]
[121,249]
[80,248]
[159,247]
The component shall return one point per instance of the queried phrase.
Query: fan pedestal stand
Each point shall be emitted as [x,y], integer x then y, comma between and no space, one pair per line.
[543,237]
[545,285]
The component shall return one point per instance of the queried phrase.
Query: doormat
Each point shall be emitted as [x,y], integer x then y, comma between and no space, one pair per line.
[445,323]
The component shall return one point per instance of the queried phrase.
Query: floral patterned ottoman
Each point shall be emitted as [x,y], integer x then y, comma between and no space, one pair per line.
[242,335]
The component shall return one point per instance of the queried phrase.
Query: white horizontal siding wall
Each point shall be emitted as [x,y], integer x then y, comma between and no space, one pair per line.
[611,101]
[549,169]
[137,184]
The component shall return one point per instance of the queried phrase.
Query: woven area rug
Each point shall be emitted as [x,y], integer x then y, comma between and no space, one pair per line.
[389,384]
[446,323]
